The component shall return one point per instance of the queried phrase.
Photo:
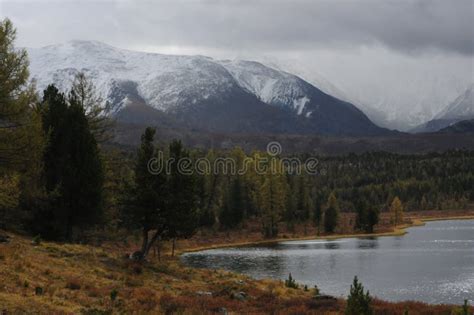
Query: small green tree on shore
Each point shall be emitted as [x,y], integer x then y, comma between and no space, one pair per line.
[358,301]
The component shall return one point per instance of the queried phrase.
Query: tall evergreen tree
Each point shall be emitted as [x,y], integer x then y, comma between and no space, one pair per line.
[304,202]
[317,213]
[144,202]
[372,219]
[73,168]
[331,215]
[182,204]
[272,198]
[232,213]
[361,214]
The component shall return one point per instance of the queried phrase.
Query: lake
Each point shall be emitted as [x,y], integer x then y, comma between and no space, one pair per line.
[432,263]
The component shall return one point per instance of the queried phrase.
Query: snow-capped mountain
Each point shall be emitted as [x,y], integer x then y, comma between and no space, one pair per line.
[462,108]
[163,81]
[198,91]
[395,91]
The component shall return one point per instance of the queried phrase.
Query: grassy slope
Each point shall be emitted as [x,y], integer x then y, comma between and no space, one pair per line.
[76,278]
[79,278]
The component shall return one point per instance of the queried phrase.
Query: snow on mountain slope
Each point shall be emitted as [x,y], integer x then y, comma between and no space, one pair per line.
[163,81]
[395,90]
[200,91]
[461,108]
[269,85]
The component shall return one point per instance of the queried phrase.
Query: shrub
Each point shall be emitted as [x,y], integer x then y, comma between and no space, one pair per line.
[358,302]
[463,310]
[113,295]
[291,283]
[316,291]
[73,284]
[36,240]
[169,305]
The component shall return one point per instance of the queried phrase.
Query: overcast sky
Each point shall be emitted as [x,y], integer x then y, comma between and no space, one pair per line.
[404,25]
[401,39]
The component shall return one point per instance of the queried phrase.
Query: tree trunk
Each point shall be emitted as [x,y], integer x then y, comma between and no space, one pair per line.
[150,243]
[158,246]
[144,242]
[173,246]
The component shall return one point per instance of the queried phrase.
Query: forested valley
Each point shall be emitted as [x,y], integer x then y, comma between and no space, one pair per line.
[62,178]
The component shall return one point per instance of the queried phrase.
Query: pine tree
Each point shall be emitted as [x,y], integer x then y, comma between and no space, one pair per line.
[181,205]
[144,202]
[317,214]
[361,215]
[372,219]
[331,215]
[206,216]
[358,301]
[73,168]
[272,198]
[232,214]
[304,203]
[396,211]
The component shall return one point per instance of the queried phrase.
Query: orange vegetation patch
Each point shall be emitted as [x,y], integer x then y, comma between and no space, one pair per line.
[53,278]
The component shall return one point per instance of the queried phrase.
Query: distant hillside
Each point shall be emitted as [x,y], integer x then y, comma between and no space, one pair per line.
[465,126]
[462,108]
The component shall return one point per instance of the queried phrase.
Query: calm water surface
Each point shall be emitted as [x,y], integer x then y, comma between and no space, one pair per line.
[433,263]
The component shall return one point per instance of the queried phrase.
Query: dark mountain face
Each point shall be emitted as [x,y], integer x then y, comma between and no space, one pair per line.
[434,125]
[465,126]
[241,112]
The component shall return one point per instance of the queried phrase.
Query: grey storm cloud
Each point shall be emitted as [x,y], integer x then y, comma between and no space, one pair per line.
[409,26]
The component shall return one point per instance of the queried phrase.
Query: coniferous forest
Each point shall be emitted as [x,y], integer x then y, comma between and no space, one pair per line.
[62,174]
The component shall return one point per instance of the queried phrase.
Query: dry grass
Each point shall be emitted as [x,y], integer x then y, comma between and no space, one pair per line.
[53,278]
[63,279]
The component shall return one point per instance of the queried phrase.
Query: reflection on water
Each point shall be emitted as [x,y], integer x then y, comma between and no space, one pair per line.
[433,263]
[331,245]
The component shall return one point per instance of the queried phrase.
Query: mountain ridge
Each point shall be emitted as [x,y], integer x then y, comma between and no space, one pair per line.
[198,91]
[460,109]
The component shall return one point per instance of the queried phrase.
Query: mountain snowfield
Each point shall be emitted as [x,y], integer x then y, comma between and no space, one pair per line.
[165,82]
[396,91]
[269,85]
[462,108]
[161,80]
[198,91]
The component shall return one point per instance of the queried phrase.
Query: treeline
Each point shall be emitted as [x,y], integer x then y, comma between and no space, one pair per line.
[60,178]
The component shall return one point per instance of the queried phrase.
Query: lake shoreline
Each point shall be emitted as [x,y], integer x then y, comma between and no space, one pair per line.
[397,231]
